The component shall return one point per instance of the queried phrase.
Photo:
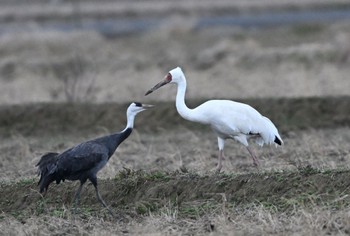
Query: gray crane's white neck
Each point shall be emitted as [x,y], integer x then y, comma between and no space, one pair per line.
[130,121]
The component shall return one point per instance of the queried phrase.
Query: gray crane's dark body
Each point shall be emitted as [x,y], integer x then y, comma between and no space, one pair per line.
[81,162]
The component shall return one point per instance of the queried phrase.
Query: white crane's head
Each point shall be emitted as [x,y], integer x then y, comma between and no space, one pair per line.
[174,76]
[136,107]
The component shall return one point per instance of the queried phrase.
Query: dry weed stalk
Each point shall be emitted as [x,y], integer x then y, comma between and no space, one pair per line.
[78,78]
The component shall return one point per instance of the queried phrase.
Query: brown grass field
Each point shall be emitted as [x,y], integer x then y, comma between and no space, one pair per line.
[58,89]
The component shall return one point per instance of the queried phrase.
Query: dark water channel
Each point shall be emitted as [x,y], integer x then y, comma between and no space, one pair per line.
[122,26]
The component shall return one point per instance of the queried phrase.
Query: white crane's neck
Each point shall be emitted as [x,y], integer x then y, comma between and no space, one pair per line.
[182,109]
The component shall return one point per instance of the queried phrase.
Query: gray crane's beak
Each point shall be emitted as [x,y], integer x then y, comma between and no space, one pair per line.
[147,106]
[157,86]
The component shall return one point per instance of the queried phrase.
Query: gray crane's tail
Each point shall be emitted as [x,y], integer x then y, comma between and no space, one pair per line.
[46,169]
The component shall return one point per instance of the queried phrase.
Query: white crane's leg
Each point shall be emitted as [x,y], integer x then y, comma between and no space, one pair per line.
[252,154]
[221,144]
[243,140]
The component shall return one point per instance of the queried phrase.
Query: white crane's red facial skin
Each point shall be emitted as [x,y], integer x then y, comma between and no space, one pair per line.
[166,80]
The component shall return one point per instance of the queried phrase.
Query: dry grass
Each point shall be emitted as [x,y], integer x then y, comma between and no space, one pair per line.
[280,62]
[194,150]
[253,220]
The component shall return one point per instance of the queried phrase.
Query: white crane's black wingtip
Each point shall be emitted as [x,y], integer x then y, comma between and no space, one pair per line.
[278,141]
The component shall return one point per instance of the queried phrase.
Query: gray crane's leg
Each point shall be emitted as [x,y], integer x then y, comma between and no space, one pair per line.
[255,159]
[77,195]
[94,182]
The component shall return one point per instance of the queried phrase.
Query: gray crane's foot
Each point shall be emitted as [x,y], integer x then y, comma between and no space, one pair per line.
[75,210]
[111,212]
[119,217]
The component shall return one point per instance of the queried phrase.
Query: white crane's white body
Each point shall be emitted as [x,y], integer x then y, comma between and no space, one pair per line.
[228,119]
[235,120]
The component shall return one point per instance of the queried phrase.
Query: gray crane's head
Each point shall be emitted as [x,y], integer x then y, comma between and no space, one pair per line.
[136,107]
[174,76]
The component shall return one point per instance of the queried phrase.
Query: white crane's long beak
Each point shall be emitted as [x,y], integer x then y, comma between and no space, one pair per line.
[157,86]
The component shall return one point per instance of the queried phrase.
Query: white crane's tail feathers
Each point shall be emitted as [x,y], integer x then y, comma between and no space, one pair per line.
[278,140]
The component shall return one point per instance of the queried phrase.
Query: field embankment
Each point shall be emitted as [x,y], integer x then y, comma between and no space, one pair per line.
[60,118]
[137,194]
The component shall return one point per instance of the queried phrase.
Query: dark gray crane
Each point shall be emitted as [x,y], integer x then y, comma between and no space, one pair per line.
[83,161]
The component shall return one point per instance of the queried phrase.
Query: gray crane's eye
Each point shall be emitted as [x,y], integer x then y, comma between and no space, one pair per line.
[138,104]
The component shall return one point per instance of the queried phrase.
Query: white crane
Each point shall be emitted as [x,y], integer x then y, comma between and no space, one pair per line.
[228,119]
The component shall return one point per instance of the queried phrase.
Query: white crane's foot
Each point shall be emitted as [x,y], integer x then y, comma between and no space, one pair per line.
[183,169]
[221,157]
[218,168]
[255,159]
[256,163]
